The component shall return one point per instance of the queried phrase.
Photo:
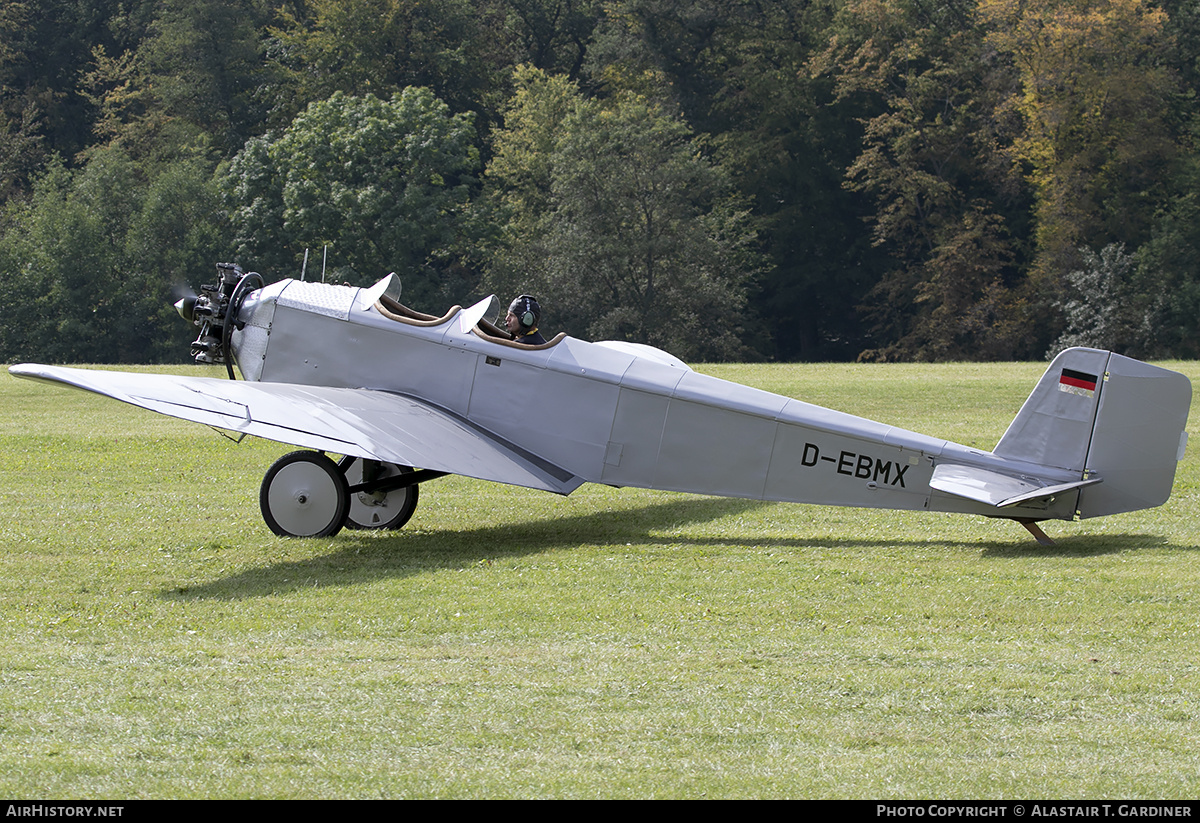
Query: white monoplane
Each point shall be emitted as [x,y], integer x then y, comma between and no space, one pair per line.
[406,397]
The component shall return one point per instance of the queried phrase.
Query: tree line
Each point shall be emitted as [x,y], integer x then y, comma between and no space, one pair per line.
[725,179]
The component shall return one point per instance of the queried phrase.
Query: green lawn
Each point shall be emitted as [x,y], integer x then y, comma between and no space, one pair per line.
[159,641]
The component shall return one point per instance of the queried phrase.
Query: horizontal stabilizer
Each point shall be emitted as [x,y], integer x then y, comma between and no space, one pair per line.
[995,489]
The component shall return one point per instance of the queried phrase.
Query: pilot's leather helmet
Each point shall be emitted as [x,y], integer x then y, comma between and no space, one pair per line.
[526,310]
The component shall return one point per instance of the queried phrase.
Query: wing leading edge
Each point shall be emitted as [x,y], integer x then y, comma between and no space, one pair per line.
[379,425]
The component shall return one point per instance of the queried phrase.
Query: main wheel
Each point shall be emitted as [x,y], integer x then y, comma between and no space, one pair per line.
[304,494]
[378,510]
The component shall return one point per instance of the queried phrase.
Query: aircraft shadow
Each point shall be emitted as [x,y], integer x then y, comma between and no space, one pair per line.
[361,555]
[364,556]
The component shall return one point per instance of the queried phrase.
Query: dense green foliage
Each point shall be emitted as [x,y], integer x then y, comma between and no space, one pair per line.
[881,179]
[616,212]
[386,184]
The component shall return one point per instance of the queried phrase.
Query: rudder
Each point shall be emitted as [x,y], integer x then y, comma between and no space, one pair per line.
[1138,439]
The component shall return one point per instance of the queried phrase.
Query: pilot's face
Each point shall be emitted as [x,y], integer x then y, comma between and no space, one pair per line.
[512,323]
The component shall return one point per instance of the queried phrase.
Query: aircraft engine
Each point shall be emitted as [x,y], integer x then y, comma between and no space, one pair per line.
[214,310]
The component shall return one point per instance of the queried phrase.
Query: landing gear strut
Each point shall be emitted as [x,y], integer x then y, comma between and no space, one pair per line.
[381,508]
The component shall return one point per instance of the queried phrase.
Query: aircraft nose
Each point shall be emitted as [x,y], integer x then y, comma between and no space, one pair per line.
[186,307]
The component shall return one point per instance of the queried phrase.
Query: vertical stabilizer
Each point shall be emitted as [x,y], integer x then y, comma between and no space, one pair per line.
[1054,427]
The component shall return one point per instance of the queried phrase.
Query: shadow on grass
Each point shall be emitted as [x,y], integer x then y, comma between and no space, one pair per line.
[1083,545]
[365,555]
[360,557]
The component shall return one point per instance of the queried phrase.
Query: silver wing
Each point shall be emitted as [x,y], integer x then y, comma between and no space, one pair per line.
[379,425]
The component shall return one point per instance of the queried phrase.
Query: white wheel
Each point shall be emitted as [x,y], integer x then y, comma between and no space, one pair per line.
[304,494]
[378,510]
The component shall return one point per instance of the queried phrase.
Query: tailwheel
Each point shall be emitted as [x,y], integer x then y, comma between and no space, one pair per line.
[386,507]
[304,494]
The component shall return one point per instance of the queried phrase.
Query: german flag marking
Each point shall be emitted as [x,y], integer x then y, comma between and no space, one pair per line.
[1077,382]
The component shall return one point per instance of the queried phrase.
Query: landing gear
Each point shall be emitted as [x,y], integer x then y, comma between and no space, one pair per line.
[306,494]
[383,508]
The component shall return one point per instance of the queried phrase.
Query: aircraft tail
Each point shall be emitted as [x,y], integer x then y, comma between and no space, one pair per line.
[1109,418]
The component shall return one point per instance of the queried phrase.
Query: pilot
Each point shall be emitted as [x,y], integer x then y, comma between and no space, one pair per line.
[522,320]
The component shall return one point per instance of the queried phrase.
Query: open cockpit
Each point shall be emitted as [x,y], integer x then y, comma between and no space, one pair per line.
[393,309]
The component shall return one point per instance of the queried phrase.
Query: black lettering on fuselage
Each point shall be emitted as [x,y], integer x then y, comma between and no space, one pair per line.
[811,453]
[845,461]
[862,466]
[883,468]
[862,469]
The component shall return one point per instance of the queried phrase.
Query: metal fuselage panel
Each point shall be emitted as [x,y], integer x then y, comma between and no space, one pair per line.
[608,415]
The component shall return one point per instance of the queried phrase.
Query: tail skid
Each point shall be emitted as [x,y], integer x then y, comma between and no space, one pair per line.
[1033,528]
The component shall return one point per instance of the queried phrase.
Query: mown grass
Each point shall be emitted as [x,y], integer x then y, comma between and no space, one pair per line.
[160,642]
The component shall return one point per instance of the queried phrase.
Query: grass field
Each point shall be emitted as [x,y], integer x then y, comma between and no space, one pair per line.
[160,642]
